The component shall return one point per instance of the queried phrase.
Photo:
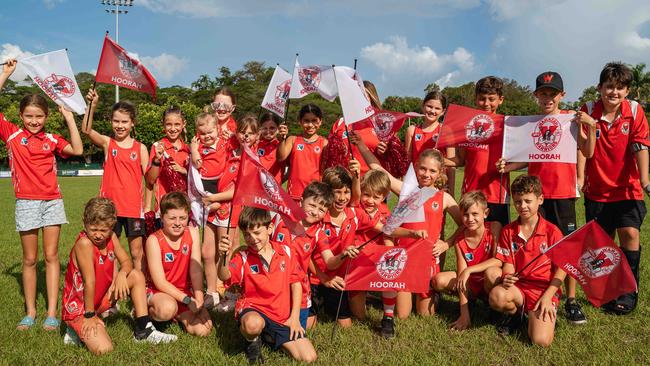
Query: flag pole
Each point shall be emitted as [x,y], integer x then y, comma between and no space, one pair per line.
[202,222]
[225,254]
[347,132]
[286,107]
[338,309]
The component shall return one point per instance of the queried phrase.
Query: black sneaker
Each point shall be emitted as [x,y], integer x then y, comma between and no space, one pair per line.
[254,351]
[508,324]
[574,313]
[388,327]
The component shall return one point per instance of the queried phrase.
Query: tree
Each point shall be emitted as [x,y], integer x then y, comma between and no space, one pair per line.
[640,83]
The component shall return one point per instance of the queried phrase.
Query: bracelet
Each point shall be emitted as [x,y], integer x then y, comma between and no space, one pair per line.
[89,314]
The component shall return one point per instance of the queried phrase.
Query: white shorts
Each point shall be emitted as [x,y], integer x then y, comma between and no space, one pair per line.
[35,214]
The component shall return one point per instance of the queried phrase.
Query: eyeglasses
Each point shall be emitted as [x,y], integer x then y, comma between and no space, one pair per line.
[220,107]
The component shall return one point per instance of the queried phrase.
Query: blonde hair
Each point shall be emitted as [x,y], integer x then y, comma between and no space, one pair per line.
[203,119]
[100,211]
[441,181]
[471,198]
[249,121]
[375,182]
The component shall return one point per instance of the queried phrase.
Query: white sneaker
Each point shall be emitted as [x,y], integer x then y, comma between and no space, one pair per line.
[228,303]
[151,335]
[71,338]
[110,311]
[210,300]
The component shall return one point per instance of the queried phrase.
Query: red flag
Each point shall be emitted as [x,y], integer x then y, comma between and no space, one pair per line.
[258,188]
[591,257]
[118,68]
[385,123]
[382,268]
[465,125]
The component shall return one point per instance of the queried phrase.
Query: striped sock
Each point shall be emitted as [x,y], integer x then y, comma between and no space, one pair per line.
[389,299]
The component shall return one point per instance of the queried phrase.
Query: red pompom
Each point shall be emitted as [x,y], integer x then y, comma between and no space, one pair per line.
[335,153]
[149,222]
[394,159]
[171,179]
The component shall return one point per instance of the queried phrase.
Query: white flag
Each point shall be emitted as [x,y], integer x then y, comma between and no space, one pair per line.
[275,99]
[549,138]
[196,192]
[356,106]
[313,79]
[409,209]
[53,73]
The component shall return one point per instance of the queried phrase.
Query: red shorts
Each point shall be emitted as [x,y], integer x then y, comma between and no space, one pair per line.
[181,307]
[476,287]
[435,269]
[532,294]
[77,322]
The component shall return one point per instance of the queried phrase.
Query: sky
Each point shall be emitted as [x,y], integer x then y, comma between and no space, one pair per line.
[401,45]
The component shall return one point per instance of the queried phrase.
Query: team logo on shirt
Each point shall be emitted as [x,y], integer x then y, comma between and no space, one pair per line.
[597,133]
[328,232]
[128,68]
[547,134]
[72,307]
[57,86]
[270,185]
[479,128]
[306,247]
[46,147]
[300,147]
[435,205]
[100,259]
[260,152]
[114,152]
[515,247]
[347,228]
[418,136]
[599,262]
[283,266]
[434,138]
[255,268]
[625,128]
[23,141]
[185,249]
[543,247]
[344,135]
[137,225]
[469,257]
[169,257]
[317,149]
[392,263]
[206,151]
[111,256]
[309,78]
[280,237]
[233,168]
[133,155]
[383,125]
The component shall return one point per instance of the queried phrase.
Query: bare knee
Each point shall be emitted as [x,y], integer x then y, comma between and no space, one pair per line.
[497,298]
[252,324]
[103,349]
[135,276]
[29,261]
[541,340]
[164,310]
[200,330]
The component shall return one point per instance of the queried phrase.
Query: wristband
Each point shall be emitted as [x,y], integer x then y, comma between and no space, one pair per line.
[187,300]
[89,314]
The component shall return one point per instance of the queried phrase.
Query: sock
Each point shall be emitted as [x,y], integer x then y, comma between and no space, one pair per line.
[141,322]
[389,299]
[634,260]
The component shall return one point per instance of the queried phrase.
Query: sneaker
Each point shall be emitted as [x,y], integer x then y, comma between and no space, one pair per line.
[71,338]
[508,324]
[254,351]
[387,327]
[110,311]
[151,335]
[574,313]
[210,300]
[228,302]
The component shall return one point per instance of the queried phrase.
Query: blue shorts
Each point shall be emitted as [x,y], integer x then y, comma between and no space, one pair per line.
[304,314]
[274,334]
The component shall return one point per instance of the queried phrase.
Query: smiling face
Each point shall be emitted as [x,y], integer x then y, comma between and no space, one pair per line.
[33,118]
[527,204]
[268,130]
[174,222]
[341,199]
[122,124]
[612,94]
[370,201]
[173,126]
[474,217]
[257,238]
[314,208]
[247,137]
[432,110]
[99,234]
[223,107]
[549,100]
[310,124]
[488,102]
[428,170]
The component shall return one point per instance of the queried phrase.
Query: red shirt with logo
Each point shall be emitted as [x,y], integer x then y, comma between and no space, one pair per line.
[72,303]
[180,156]
[434,213]
[266,150]
[226,182]
[265,289]
[230,126]
[367,135]
[122,179]
[32,161]
[480,254]
[175,262]
[559,180]
[611,174]
[424,140]
[380,215]
[213,159]
[516,250]
[304,164]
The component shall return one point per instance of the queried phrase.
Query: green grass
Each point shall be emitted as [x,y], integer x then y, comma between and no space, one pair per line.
[604,339]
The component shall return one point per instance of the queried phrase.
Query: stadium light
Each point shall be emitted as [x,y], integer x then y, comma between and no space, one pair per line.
[113,7]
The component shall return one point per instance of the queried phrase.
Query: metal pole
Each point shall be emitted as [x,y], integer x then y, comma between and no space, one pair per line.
[117,40]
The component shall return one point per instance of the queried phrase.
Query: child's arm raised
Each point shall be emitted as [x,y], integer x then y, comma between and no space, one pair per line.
[408,141]
[83,254]
[87,124]
[223,271]
[286,143]
[8,69]
[76,147]
[194,151]
[355,168]
[120,285]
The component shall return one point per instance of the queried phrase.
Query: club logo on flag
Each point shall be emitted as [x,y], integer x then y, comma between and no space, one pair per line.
[479,128]
[599,262]
[127,67]
[270,186]
[58,86]
[282,92]
[309,78]
[383,123]
[392,263]
[547,134]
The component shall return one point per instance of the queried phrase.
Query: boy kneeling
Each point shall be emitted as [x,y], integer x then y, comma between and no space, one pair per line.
[269,276]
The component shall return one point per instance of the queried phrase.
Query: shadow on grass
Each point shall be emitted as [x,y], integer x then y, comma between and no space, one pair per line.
[15,271]
[228,337]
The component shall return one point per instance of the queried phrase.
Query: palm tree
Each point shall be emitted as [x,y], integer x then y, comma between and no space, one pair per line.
[640,82]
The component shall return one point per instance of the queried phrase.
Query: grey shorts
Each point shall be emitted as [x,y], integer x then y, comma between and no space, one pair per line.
[35,214]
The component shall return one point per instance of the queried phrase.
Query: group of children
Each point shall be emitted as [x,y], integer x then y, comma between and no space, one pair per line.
[283,282]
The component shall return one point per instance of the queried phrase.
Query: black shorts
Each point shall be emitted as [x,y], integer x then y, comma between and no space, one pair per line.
[210,185]
[132,227]
[499,212]
[274,334]
[561,213]
[615,215]
[331,302]
[316,300]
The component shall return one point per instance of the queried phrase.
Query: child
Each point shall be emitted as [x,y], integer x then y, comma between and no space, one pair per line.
[476,269]
[616,175]
[224,105]
[126,161]
[304,152]
[560,184]
[93,283]
[221,213]
[268,145]
[480,159]
[170,150]
[38,198]
[428,173]
[174,264]
[268,274]
[527,288]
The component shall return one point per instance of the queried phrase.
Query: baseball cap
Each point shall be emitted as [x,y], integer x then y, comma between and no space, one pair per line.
[549,79]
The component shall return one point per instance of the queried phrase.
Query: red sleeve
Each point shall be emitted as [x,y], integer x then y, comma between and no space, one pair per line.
[640,128]
[365,221]
[61,143]
[236,268]
[504,248]
[321,241]
[296,274]
[6,128]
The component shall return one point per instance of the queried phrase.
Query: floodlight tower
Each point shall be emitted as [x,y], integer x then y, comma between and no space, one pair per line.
[113,7]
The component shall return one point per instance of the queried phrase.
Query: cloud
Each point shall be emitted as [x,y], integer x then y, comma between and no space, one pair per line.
[411,69]
[165,66]
[634,40]
[9,50]
[509,9]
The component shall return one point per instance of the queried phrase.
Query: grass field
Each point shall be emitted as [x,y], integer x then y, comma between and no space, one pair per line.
[605,339]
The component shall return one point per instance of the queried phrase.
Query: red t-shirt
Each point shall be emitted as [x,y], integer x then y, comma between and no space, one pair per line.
[611,174]
[175,262]
[380,215]
[514,249]
[122,179]
[267,290]
[423,140]
[559,180]
[230,125]
[304,164]
[266,150]
[367,135]
[72,303]
[480,254]
[32,161]
[179,155]
[213,159]
[227,181]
